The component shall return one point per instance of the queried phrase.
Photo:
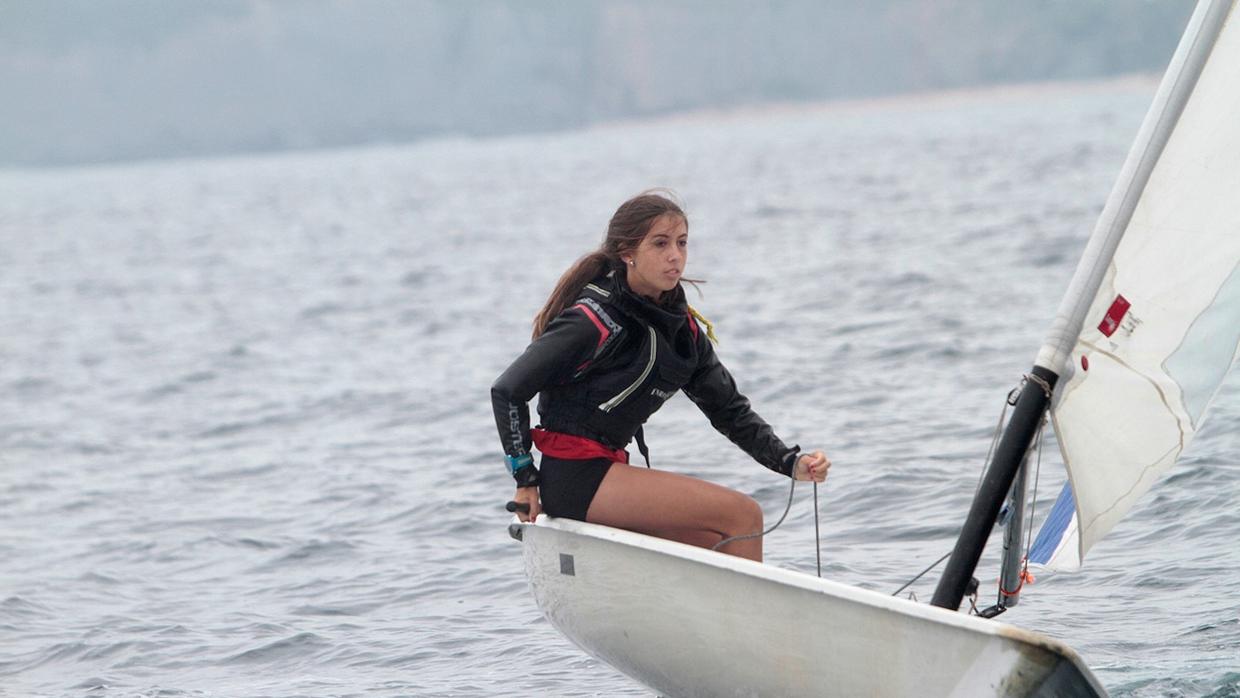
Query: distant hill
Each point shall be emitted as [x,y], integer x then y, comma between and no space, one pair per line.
[100,80]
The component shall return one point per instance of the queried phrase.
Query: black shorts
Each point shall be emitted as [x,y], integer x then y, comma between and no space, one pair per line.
[568,486]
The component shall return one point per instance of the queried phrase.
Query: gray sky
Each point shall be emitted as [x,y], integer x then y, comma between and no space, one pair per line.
[103,80]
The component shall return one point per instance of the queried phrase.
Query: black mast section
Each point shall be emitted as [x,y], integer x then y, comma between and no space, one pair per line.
[1000,473]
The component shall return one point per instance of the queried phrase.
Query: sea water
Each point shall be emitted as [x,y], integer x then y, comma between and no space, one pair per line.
[246,442]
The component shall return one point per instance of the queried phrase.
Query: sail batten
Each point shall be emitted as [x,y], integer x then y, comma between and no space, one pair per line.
[1151,324]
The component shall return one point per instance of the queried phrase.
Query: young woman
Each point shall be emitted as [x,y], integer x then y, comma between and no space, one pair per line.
[615,340]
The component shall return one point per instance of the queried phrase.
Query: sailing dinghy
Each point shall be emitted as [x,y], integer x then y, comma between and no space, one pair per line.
[686,621]
[1143,339]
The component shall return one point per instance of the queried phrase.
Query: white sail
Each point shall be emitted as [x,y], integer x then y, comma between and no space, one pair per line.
[1158,336]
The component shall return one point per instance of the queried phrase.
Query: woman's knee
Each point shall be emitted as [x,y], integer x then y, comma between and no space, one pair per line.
[747,511]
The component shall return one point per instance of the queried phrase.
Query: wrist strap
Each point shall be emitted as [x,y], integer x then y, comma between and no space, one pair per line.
[528,477]
[517,463]
[522,469]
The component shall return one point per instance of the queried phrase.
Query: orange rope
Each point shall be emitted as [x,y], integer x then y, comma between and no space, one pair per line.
[1025,576]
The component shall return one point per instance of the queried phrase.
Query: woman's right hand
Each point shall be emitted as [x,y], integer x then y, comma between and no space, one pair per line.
[812,466]
[528,496]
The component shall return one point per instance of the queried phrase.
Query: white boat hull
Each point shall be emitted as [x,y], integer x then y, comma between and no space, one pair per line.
[686,621]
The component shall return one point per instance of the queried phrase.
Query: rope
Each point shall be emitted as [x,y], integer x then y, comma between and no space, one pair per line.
[1046,387]
[1009,401]
[817,539]
[747,536]
[788,507]
[1033,507]
[994,440]
[921,574]
[710,326]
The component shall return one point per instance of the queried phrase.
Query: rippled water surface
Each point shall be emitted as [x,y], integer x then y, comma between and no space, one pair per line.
[246,446]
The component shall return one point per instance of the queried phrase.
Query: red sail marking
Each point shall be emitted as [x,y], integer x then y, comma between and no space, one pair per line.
[1115,315]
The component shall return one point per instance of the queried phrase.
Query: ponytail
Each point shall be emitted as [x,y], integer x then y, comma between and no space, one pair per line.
[569,286]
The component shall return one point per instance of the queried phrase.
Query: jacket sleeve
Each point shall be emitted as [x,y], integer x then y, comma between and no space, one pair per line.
[569,341]
[713,390]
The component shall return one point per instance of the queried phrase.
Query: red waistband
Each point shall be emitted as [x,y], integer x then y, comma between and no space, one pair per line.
[557,445]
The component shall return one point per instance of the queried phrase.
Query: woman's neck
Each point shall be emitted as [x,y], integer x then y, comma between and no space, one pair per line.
[651,295]
[638,289]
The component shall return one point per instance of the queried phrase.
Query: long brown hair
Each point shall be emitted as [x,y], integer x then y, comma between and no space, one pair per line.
[628,227]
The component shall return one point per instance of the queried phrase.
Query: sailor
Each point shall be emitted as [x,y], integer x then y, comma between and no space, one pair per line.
[614,341]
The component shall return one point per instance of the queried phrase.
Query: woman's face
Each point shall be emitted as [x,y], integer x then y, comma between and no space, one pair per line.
[659,261]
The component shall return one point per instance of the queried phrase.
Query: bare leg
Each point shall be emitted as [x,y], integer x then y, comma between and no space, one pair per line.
[677,507]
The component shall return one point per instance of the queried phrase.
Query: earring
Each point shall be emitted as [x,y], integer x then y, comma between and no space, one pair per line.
[632,263]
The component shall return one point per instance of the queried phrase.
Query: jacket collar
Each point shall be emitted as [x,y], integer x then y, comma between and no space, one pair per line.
[668,316]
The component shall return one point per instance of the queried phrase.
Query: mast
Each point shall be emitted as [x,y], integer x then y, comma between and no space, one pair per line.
[1010,572]
[1177,85]
[1030,406]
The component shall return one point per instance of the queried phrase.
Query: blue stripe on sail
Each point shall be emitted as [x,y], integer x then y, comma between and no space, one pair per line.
[1054,527]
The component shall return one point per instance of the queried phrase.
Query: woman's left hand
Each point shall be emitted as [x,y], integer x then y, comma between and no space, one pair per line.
[812,466]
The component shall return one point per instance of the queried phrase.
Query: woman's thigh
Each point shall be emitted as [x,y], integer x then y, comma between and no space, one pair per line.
[659,502]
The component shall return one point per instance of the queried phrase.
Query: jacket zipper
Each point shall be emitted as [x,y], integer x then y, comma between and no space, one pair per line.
[612,403]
